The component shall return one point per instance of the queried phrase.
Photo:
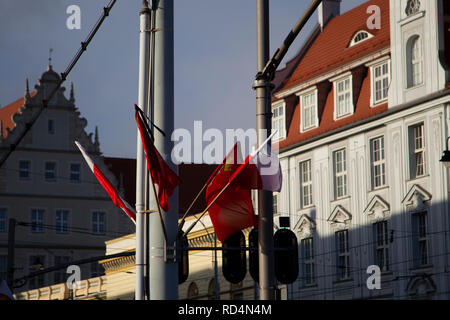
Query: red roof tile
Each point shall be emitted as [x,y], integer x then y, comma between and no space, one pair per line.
[7,113]
[330,49]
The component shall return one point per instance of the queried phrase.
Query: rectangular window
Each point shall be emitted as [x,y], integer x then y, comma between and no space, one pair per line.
[416,62]
[62,221]
[340,173]
[37,220]
[24,169]
[60,276]
[420,226]
[37,263]
[417,151]
[3,266]
[306,184]
[51,126]
[378,162]
[3,220]
[75,172]
[343,255]
[381,82]
[307,251]
[278,121]
[98,223]
[382,245]
[309,111]
[343,98]
[50,171]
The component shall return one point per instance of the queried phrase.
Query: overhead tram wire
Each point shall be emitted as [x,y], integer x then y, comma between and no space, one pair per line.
[64,75]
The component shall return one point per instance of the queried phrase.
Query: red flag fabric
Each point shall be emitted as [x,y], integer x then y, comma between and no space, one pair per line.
[161,174]
[107,185]
[261,170]
[233,210]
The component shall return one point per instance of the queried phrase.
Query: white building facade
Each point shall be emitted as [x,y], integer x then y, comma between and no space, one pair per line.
[366,116]
[62,213]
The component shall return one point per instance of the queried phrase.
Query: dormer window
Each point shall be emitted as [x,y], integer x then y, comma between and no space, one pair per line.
[278,120]
[308,110]
[343,93]
[360,36]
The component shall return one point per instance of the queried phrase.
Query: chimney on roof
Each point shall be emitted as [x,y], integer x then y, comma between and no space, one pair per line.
[328,9]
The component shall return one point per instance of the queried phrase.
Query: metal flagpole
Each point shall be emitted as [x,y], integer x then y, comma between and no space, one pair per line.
[163,266]
[263,89]
[141,169]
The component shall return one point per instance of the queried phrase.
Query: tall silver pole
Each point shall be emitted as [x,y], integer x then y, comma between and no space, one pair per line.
[264,126]
[163,267]
[141,169]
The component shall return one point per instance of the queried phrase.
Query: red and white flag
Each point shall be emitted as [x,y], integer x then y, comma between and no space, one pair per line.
[5,292]
[261,169]
[107,185]
[166,179]
[233,209]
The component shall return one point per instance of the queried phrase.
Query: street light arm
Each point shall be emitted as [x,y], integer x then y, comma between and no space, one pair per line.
[269,70]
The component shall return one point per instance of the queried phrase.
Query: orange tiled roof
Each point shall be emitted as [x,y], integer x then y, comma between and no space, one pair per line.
[330,49]
[7,113]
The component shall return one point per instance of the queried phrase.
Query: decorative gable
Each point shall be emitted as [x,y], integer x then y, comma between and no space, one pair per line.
[305,227]
[417,198]
[340,218]
[377,209]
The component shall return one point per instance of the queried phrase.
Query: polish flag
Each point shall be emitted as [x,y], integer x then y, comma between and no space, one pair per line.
[5,292]
[107,185]
[261,169]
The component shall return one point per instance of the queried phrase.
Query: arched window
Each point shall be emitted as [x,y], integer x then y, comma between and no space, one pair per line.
[414,57]
[360,36]
[192,290]
[211,287]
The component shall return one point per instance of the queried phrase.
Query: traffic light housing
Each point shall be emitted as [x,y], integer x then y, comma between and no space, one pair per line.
[253,259]
[234,260]
[285,256]
[182,258]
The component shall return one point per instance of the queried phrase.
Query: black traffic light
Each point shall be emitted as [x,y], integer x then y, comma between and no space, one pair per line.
[182,258]
[234,260]
[253,259]
[285,256]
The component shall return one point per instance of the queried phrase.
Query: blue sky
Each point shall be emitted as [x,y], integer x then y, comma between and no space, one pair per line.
[215,59]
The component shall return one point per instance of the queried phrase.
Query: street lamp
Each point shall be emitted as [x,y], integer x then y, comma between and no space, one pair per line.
[446,156]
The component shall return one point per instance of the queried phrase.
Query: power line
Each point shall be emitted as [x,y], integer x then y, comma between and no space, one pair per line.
[64,75]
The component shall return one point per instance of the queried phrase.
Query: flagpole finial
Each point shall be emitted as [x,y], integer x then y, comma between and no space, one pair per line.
[50,59]
[96,140]
[72,96]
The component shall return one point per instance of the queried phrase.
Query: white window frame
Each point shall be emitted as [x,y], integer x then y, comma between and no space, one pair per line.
[37,223]
[308,276]
[383,78]
[382,244]
[70,172]
[418,149]
[62,227]
[378,160]
[276,118]
[414,63]
[341,174]
[421,239]
[336,82]
[54,171]
[355,41]
[343,255]
[28,169]
[37,281]
[306,186]
[313,107]
[97,223]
